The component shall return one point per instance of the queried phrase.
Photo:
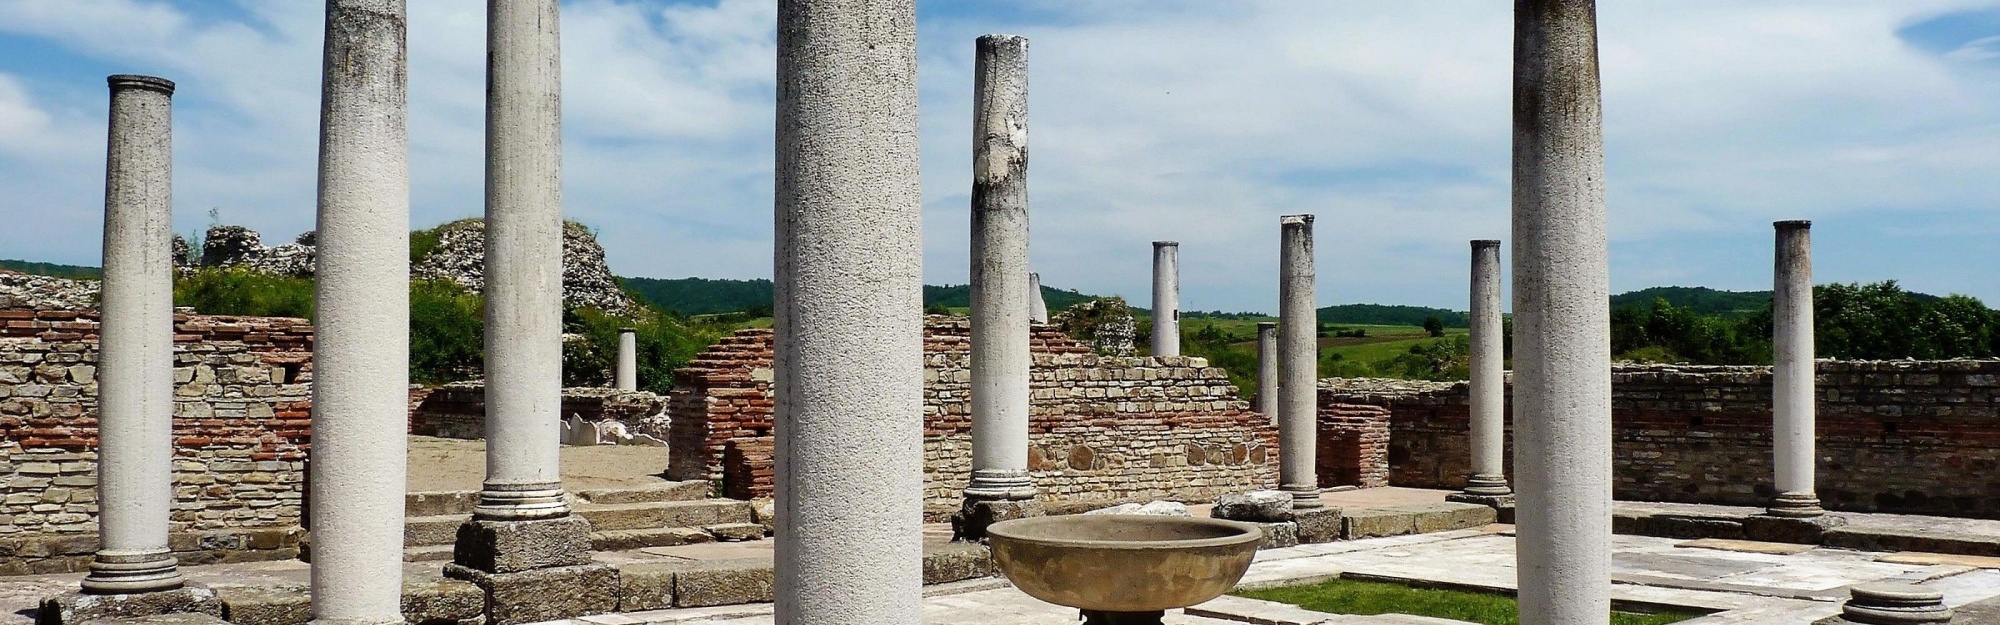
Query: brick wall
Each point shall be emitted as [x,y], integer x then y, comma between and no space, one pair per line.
[1915,437]
[1102,429]
[242,419]
[1353,444]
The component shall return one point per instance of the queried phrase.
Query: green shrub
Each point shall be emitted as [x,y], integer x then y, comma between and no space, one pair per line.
[664,343]
[239,291]
[447,332]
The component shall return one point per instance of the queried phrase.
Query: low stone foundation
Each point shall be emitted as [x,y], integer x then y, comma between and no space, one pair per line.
[458,410]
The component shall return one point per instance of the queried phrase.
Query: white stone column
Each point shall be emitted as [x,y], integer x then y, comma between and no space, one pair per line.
[1038,308]
[849,356]
[524,281]
[1298,363]
[1792,376]
[1562,344]
[135,353]
[1268,384]
[1001,298]
[361,348]
[1166,298]
[1489,378]
[628,359]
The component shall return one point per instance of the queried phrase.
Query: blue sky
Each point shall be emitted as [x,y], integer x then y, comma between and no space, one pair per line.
[1189,120]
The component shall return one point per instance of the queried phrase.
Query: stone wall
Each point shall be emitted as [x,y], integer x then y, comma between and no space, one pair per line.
[1917,437]
[1102,429]
[242,423]
[458,410]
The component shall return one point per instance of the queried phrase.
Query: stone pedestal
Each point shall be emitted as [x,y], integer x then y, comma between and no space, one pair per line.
[1496,502]
[972,520]
[535,570]
[1317,525]
[78,607]
[1781,529]
[1892,604]
[515,546]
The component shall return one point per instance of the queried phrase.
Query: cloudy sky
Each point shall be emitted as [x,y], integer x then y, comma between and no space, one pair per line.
[1191,120]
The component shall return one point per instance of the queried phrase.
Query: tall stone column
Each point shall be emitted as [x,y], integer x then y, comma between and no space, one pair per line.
[1001,301]
[628,359]
[522,546]
[1792,376]
[848,363]
[135,362]
[1562,345]
[1487,483]
[1267,370]
[361,344]
[1038,308]
[1166,298]
[1298,363]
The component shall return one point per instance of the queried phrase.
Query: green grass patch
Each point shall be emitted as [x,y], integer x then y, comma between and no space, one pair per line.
[1349,596]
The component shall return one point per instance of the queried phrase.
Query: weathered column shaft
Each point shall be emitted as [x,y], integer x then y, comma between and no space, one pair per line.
[628,359]
[523,274]
[1298,362]
[1792,376]
[848,363]
[1038,308]
[1001,298]
[1166,298]
[1488,373]
[1268,384]
[1562,345]
[135,362]
[361,347]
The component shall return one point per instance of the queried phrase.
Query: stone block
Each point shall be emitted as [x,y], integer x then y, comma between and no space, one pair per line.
[266,605]
[1377,522]
[1317,525]
[543,594]
[723,582]
[1444,517]
[442,602]
[1775,529]
[161,619]
[971,521]
[516,546]
[1257,506]
[1492,501]
[76,607]
[1279,535]
[735,532]
[646,585]
[1686,526]
[956,561]
[1911,539]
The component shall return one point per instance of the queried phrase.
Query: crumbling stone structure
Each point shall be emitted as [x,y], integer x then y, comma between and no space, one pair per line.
[458,410]
[1103,430]
[1702,434]
[241,429]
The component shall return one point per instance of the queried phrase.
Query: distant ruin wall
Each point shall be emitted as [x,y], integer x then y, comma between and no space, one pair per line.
[1102,429]
[458,410]
[242,419]
[1913,437]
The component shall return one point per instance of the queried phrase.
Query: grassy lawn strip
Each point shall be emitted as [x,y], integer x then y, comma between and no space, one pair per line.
[1347,596]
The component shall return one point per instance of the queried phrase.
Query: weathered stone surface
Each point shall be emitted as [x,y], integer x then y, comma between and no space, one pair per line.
[723,582]
[514,546]
[460,256]
[1805,531]
[734,532]
[266,605]
[971,521]
[443,602]
[955,561]
[1905,539]
[1157,508]
[765,512]
[1279,535]
[425,602]
[1104,324]
[543,594]
[1669,525]
[1442,517]
[1318,525]
[1378,522]
[1255,506]
[160,619]
[646,585]
[75,607]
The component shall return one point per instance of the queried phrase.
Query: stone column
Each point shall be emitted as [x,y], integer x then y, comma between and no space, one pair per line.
[361,346]
[522,546]
[1298,363]
[848,380]
[1267,370]
[1562,346]
[135,357]
[1038,308]
[1487,483]
[1792,382]
[1001,300]
[1166,298]
[628,359]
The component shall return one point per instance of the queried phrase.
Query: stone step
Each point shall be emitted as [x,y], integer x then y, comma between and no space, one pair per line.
[657,515]
[437,503]
[423,531]
[427,553]
[625,540]
[671,491]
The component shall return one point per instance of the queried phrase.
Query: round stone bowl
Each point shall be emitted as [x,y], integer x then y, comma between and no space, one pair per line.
[1123,563]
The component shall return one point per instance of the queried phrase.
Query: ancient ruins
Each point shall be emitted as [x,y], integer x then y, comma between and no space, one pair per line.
[163,466]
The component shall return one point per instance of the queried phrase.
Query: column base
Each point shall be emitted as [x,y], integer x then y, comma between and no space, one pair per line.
[516,546]
[1487,485]
[1303,497]
[971,521]
[544,594]
[130,573]
[76,607]
[521,502]
[1795,505]
[1796,530]
[1496,502]
[1000,484]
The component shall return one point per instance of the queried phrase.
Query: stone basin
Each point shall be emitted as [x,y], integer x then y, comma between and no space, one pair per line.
[1123,563]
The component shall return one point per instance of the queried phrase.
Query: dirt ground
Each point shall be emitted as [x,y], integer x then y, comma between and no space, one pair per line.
[452,464]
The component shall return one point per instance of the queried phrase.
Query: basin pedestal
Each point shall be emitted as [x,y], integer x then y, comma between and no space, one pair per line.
[1095,617]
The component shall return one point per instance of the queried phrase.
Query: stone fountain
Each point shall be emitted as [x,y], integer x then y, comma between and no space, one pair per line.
[1123,569]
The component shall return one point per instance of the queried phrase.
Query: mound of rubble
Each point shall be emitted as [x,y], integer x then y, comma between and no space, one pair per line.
[237,246]
[20,290]
[1106,325]
[460,256]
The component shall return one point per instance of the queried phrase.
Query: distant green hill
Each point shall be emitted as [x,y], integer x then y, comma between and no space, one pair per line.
[960,296]
[703,296]
[51,269]
[1378,314]
[1702,300]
